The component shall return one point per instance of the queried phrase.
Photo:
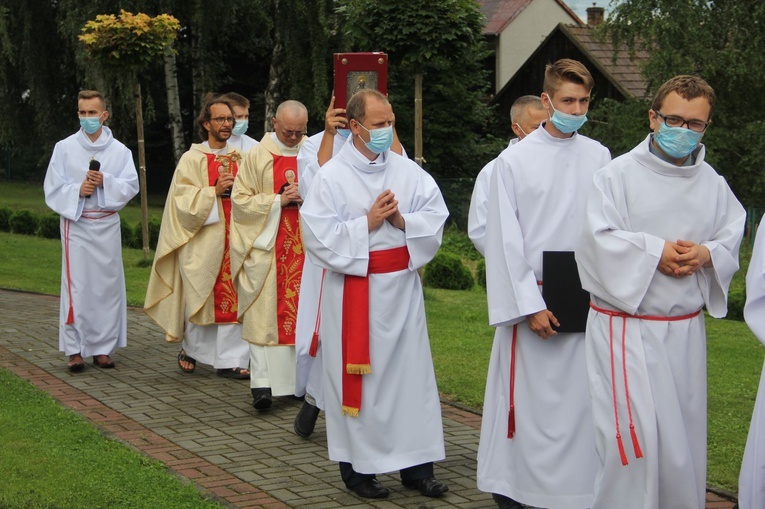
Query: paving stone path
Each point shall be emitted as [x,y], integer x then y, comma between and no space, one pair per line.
[203,426]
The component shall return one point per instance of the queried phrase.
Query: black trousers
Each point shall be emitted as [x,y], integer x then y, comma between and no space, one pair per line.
[352,478]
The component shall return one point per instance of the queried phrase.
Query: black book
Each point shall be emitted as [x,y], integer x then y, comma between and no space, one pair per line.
[562,291]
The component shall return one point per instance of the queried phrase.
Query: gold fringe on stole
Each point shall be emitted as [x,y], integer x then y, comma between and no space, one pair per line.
[350,411]
[358,369]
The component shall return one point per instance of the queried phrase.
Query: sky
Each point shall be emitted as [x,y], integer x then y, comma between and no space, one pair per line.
[580,6]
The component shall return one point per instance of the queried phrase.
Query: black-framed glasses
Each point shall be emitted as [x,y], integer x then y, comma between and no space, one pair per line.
[223,120]
[698,126]
[293,134]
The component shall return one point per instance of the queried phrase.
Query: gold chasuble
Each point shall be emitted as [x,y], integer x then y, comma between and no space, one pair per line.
[191,275]
[266,246]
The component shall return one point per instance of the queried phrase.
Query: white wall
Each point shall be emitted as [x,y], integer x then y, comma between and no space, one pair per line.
[524,35]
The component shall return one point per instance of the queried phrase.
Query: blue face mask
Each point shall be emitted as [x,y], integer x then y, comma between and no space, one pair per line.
[90,124]
[566,122]
[240,127]
[380,139]
[677,142]
[344,132]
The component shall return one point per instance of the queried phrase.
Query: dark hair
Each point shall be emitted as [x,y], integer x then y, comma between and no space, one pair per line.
[205,115]
[688,87]
[92,94]
[236,99]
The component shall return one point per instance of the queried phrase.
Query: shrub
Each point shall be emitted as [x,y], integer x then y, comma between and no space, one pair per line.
[736,301]
[480,272]
[447,271]
[154,224]
[456,241]
[24,222]
[127,233]
[5,219]
[49,226]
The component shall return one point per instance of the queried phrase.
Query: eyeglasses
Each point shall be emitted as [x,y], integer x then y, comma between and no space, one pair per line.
[293,134]
[223,120]
[698,126]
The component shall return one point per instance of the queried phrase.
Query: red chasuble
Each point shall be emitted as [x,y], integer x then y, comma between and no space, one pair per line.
[288,253]
[225,296]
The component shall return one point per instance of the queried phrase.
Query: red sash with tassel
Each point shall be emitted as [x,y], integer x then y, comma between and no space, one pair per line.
[355,335]
[226,302]
[288,253]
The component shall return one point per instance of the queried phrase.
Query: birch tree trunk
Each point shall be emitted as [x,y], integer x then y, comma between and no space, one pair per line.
[272,95]
[174,105]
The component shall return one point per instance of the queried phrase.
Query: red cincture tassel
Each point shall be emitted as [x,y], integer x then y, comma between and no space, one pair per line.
[70,316]
[511,402]
[635,443]
[621,449]
[511,422]
[314,345]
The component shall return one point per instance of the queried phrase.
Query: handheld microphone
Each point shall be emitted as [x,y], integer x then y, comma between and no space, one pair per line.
[94,165]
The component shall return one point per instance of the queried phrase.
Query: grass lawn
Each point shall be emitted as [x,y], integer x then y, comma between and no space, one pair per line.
[460,337]
[53,458]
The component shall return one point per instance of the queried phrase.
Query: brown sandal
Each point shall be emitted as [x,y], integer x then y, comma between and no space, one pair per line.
[182,357]
[103,361]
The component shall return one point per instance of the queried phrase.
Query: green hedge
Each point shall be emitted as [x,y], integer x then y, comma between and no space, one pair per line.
[5,219]
[447,271]
[49,226]
[24,222]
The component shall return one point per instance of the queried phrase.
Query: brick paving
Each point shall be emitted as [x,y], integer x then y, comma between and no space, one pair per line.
[203,427]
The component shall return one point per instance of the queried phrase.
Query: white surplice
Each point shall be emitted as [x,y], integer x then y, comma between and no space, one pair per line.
[310,282]
[479,203]
[399,423]
[536,204]
[638,202]
[92,276]
[751,480]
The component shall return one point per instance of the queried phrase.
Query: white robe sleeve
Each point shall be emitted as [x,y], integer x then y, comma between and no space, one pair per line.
[478,207]
[62,195]
[120,182]
[723,246]
[615,264]
[511,283]
[424,222]
[332,242]
[754,310]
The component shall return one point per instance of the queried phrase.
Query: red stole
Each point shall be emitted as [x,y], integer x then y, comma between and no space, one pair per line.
[355,335]
[288,253]
[225,296]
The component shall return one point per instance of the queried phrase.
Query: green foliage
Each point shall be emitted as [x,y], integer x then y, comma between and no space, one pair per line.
[444,42]
[24,222]
[447,271]
[49,226]
[5,219]
[457,242]
[154,226]
[618,125]
[724,43]
[480,273]
[127,234]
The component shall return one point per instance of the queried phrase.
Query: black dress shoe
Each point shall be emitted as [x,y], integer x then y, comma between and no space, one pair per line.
[261,397]
[370,488]
[504,502]
[305,420]
[428,486]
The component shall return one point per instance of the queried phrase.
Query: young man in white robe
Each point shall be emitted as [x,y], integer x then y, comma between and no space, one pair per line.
[537,445]
[660,242]
[239,139]
[267,253]
[190,293]
[371,219]
[315,152]
[91,176]
[526,114]
[751,480]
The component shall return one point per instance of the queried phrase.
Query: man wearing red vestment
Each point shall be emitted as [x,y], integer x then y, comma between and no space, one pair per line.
[267,253]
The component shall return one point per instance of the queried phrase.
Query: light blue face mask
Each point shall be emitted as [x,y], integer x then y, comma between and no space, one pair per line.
[566,122]
[380,139]
[240,127]
[677,142]
[90,124]
[344,132]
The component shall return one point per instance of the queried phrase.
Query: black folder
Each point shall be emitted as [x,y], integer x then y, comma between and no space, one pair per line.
[562,291]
